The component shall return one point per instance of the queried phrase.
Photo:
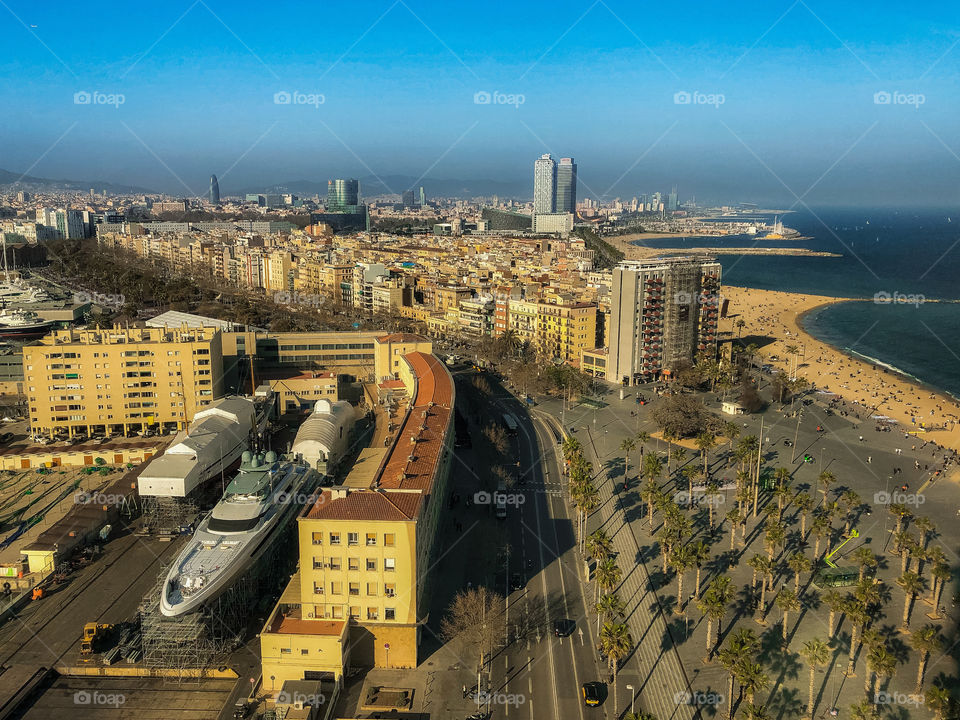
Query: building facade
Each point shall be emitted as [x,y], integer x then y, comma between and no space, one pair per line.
[544,185]
[663,315]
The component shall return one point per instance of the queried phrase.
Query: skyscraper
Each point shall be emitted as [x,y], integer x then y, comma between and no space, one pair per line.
[423,197]
[406,197]
[214,190]
[342,194]
[663,316]
[566,186]
[544,185]
[672,199]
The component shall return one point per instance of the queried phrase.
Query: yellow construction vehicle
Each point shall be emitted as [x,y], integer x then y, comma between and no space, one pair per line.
[93,635]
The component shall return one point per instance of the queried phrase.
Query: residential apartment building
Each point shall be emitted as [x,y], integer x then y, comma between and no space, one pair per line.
[360,595]
[663,314]
[565,330]
[121,379]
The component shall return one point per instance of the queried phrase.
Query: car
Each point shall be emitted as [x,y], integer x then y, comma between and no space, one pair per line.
[564,628]
[591,693]
[516,581]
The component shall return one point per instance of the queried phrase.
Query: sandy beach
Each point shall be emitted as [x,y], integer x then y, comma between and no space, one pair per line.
[775,316]
[624,243]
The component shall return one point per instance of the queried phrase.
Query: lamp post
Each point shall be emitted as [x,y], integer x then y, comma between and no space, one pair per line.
[632,696]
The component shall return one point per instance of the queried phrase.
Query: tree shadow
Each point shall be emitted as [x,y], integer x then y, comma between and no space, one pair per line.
[785,702]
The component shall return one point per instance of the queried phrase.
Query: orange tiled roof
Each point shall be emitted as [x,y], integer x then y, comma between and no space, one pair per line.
[366,505]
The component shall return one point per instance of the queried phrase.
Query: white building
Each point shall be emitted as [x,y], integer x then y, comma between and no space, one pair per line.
[544,185]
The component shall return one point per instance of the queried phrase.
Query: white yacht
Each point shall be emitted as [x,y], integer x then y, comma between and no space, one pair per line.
[257,506]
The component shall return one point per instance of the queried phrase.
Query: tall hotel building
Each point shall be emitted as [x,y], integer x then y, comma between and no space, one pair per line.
[544,185]
[663,314]
[566,201]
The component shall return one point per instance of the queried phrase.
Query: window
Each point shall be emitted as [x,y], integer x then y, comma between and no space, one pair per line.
[318,563]
[336,588]
[337,612]
[304,652]
[334,538]
[371,538]
[317,588]
[371,565]
[318,538]
[353,538]
[389,539]
[354,612]
[389,564]
[389,614]
[334,563]
[354,588]
[389,589]
[285,651]
[371,613]
[371,588]
[353,563]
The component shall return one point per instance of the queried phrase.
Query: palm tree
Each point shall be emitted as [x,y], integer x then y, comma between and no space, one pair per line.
[705,442]
[615,644]
[700,552]
[627,445]
[816,653]
[912,585]
[880,664]
[753,680]
[738,652]
[941,573]
[599,545]
[774,535]
[682,560]
[864,558]
[927,530]
[740,323]
[798,563]
[669,437]
[690,473]
[826,479]
[609,607]
[787,601]
[857,613]
[570,447]
[713,604]
[837,603]
[643,437]
[765,566]
[608,575]
[650,493]
[735,518]
[902,542]
[731,431]
[864,710]
[937,700]
[901,513]
[803,502]
[925,641]
[820,529]
[755,712]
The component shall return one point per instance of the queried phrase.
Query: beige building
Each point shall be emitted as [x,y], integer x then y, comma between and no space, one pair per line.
[564,331]
[366,547]
[121,379]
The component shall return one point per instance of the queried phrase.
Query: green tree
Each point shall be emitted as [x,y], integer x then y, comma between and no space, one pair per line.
[925,641]
[788,602]
[911,584]
[817,654]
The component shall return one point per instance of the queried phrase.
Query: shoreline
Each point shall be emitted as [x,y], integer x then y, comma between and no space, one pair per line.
[870,386]
[631,251]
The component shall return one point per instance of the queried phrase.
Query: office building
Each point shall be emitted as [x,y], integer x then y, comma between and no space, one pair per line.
[423,197]
[672,199]
[342,195]
[121,379]
[407,198]
[544,185]
[558,222]
[566,186]
[214,190]
[663,315]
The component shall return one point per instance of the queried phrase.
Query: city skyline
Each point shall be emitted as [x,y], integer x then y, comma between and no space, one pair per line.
[805,102]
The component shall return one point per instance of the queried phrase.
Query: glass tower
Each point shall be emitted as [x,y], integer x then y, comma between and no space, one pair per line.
[214,190]
[566,186]
[342,194]
[544,185]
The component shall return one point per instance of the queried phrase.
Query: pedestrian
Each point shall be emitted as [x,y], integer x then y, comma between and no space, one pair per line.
[861,438]
[869,458]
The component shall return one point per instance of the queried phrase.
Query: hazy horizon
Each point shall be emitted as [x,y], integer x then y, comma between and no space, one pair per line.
[796,104]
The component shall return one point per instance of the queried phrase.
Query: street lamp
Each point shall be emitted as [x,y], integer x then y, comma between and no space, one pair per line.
[632,696]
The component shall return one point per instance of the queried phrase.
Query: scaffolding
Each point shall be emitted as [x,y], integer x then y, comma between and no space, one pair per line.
[183,645]
[168,514]
[681,316]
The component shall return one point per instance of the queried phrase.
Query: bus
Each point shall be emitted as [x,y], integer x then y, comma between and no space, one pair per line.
[510,423]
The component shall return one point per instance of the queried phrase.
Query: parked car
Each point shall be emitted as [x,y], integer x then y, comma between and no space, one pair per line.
[591,693]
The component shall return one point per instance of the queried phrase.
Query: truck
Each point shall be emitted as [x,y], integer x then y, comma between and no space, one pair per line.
[94,635]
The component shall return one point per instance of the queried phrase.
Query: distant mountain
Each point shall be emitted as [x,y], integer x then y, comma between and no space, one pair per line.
[13,180]
[371,186]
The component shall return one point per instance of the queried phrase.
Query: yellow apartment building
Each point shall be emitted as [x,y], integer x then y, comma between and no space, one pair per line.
[121,379]
[366,547]
[564,331]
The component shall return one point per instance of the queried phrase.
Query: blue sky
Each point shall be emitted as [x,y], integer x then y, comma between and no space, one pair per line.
[782,94]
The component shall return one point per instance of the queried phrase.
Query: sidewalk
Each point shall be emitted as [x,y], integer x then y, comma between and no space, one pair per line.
[660,679]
